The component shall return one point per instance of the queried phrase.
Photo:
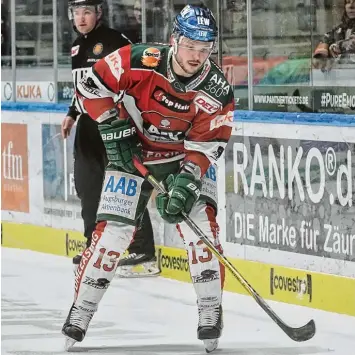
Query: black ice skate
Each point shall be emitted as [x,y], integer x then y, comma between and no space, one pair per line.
[76,261]
[75,326]
[77,258]
[137,265]
[210,325]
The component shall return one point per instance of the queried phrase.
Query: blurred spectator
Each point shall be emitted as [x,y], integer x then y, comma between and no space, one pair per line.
[135,33]
[162,17]
[158,18]
[5,29]
[338,45]
[234,28]
[131,27]
[235,18]
[138,11]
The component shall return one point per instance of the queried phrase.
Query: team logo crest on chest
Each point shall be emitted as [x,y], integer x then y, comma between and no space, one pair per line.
[165,123]
[98,48]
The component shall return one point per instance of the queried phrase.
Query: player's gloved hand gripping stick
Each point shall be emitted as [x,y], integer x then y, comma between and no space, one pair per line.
[303,333]
[121,143]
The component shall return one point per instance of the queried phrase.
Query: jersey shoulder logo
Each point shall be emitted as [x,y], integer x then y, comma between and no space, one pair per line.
[216,85]
[207,103]
[148,56]
[98,48]
[75,50]
[151,57]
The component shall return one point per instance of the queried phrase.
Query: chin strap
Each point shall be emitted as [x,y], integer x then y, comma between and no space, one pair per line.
[177,39]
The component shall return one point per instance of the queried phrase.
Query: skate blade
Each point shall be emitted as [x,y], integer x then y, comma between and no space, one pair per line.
[69,343]
[210,345]
[136,271]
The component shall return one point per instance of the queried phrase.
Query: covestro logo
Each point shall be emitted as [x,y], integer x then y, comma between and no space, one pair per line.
[297,285]
[177,263]
[74,246]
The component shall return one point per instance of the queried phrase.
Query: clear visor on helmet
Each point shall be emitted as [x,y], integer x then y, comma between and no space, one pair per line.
[72,10]
[188,44]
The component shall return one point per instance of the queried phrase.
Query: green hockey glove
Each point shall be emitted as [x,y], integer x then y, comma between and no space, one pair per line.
[183,192]
[121,143]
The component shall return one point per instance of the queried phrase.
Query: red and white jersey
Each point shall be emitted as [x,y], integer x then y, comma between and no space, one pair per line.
[174,120]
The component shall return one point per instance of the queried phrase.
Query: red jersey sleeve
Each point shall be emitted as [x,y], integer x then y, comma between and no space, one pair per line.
[106,79]
[209,136]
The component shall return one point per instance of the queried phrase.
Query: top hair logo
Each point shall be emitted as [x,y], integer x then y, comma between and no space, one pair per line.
[169,101]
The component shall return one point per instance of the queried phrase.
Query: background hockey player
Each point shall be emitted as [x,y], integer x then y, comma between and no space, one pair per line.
[176,113]
[94,42]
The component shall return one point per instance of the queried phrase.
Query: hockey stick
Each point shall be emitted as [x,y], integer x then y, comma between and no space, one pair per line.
[303,333]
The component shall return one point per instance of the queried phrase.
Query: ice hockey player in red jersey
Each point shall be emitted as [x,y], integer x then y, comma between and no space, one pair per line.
[176,114]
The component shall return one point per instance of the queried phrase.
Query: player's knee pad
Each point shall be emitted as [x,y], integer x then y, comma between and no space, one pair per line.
[99,262]
[207,273]
[204,216]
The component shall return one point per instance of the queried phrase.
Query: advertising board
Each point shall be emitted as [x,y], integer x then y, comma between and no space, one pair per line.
[28,91]
[60,200]
[14,168]
[291,195]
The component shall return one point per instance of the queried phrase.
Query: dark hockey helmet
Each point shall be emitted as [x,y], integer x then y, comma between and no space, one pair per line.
[76,3]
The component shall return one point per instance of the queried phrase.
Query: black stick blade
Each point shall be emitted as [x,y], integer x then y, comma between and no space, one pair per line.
[303,333]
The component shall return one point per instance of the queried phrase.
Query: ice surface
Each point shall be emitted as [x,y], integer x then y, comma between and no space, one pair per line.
[146,317]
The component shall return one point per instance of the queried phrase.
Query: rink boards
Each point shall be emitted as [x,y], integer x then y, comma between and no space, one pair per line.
[286,206]
[295,286]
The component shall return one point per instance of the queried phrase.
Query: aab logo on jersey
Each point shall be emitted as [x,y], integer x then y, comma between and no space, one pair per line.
[121,185]
[169,101]
[151,57]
